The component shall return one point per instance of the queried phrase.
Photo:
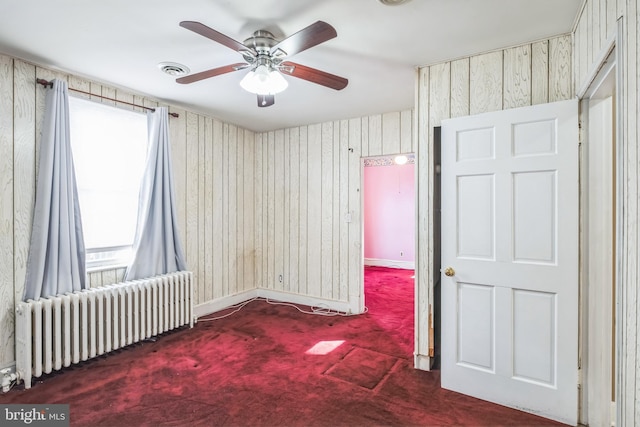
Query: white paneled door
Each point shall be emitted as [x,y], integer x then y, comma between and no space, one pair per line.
[510,258]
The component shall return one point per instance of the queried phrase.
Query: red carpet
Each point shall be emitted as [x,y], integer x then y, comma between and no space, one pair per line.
[363,367]
[264,366]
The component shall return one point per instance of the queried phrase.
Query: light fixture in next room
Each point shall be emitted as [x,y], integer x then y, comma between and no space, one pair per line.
[401,160]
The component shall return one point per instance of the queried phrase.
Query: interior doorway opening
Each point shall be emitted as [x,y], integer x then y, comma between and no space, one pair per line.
[389,211]
[389,233]
[598,246]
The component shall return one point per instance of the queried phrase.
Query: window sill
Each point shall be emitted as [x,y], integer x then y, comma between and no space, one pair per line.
[99,268]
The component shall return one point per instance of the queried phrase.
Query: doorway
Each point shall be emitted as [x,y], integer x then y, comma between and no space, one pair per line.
[388,238]
[389,206]
[598,246]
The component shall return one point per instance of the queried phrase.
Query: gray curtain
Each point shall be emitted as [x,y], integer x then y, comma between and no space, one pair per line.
[56,260]
[157,248]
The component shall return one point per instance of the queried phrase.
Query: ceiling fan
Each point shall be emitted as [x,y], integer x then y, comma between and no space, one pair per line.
[265,57]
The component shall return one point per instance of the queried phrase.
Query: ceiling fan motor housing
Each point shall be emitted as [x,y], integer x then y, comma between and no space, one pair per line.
[259,52]
[262,41]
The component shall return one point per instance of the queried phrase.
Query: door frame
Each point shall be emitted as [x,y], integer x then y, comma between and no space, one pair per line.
[383,160]
[361,303]
[609,60]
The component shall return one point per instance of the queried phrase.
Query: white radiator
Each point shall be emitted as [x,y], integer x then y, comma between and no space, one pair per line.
[55,332]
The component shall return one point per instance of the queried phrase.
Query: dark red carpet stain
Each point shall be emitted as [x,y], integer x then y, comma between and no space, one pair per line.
[252,369]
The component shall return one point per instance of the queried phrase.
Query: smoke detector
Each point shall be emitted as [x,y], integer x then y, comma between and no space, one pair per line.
[173,69]
[393,2]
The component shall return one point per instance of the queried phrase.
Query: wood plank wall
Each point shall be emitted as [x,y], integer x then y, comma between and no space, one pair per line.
[530,74]
[213,165]
[310,178]
[597,22]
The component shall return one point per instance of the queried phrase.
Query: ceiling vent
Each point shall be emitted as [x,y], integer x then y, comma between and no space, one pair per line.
[173,68]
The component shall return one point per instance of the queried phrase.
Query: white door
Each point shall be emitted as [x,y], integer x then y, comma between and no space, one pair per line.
[510,258]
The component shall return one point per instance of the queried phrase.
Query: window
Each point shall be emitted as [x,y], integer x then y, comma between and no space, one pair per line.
[109,147]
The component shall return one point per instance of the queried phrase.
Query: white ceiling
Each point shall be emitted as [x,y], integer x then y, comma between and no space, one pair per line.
[378,47]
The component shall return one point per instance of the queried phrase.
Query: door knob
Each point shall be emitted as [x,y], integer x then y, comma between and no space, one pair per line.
[449,271]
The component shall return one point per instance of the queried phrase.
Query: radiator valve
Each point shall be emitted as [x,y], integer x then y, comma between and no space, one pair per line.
[7,378]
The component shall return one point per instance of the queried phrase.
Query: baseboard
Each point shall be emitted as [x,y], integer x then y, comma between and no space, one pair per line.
[341,306]
[222,303]
[280,296]
[422,362]
[389,263]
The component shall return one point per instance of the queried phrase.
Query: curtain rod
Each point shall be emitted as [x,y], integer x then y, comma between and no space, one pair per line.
[46,83]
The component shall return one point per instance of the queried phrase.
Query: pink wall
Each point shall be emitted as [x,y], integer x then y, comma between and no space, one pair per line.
[389,212]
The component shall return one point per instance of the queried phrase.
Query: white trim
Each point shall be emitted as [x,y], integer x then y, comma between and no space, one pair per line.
[620,284]
[597,252]
[389,263]
[594,71]
[106,268]
[422,362]
[108,258]
[222,303]
[576,20]
[417,137]
[613,49]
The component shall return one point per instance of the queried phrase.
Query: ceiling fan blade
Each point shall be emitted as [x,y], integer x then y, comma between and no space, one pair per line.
[314,75]
[211,73]
[214,35]
[266,100]
[310,36]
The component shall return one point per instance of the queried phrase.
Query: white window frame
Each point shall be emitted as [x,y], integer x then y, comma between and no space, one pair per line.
[111,256]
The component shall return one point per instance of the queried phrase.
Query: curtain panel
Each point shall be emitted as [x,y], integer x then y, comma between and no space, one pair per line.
[56,260]
[157,247]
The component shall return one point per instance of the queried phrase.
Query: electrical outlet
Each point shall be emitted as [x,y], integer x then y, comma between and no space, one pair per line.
[280,278]
[401,253]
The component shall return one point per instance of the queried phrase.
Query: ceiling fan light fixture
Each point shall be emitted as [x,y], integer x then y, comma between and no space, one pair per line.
[263,81]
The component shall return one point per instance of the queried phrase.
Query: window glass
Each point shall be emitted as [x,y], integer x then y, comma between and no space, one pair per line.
[109,149]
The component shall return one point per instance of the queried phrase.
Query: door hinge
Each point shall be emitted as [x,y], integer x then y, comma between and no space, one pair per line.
[580,133]
[580,379]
